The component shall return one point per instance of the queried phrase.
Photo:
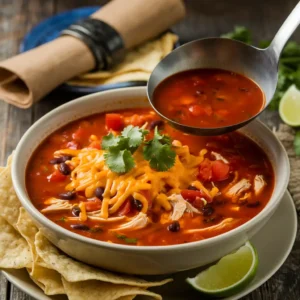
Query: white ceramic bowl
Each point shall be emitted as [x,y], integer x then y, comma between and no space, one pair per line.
[140,259]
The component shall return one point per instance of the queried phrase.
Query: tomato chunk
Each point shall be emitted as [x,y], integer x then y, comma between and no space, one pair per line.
[191,195]
[205,170]
[93,205]
[125,208]
[220,170]
[56,176]
[114,122]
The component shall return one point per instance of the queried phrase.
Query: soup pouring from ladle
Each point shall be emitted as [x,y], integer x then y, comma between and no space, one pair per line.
[259,65]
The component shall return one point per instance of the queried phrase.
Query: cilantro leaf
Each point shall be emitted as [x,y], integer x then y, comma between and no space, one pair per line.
[127,239]
[297,143]
[119,161]
[159,153]
[135,135]
[109,141]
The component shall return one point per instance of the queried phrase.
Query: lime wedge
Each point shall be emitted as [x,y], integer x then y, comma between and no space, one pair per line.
[289,107]
[230,275]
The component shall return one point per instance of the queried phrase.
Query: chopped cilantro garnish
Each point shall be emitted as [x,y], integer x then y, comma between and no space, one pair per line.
[119,161]
[159,153]
[127,239]
[62,219]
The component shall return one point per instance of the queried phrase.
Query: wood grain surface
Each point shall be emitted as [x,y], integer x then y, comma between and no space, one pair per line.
[205,18]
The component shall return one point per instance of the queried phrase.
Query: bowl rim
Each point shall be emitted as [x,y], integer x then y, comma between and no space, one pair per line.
[37,215]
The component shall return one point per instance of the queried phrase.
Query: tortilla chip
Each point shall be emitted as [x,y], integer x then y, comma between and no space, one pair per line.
[131,76]
[137,64]
[14,250]
[127,297]
[95,290]
[48,280]
[9,201]
[74,271]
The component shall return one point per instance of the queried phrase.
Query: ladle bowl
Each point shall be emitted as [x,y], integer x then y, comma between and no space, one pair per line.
[260,65]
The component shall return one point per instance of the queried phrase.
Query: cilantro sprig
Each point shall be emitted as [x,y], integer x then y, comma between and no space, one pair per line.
[120,150]
[159,153]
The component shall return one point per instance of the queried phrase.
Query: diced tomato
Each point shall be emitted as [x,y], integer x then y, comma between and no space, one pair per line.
[93,205]
[114,122]
[191,195]
[79,134]
[125,208]
[198,203]
[205,170]
[95,145]
[220,170]
[56,176]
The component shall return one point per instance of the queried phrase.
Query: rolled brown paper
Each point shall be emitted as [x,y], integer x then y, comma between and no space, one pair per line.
[28,77]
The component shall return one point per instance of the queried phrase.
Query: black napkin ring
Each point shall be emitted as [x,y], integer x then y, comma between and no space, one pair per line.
[104,41]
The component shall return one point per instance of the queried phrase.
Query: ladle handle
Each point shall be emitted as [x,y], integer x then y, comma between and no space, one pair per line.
[285,32]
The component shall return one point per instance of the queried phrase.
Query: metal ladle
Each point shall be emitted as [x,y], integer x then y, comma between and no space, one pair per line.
[261,65]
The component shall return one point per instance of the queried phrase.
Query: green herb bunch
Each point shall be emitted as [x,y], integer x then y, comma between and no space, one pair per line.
[120,149]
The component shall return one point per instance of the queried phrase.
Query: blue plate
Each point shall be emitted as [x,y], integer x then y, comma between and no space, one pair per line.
[50,28]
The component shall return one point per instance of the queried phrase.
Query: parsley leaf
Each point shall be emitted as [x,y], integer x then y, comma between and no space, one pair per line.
[159,153]
[297,143]
[134,135]
[119,161]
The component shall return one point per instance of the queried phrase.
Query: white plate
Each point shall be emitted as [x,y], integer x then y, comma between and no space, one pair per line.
[273,249]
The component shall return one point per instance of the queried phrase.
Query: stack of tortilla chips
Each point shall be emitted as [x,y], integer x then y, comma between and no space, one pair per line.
[23,246]
[136,66]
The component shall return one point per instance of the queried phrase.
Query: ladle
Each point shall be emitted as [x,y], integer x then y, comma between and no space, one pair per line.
[261,65]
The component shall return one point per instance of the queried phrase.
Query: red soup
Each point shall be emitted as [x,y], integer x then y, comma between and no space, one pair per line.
[208,98]
[127,177]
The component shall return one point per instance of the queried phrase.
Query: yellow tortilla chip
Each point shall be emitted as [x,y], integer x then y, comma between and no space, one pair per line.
[9,201]
[127,297]
[94,290]
[14,250]
[137,64]
[74,271]
[48,280]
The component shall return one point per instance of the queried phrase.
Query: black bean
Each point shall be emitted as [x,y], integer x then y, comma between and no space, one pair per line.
[137,204]
[174,227]
[76,211]
[99,192]
[80,227]
[59,160]
[157,123]
[207,210]
[64,169]
[192,188]
[67,196]
[255,204]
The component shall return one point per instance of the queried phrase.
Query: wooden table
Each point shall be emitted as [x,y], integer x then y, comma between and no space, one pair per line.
[205,18]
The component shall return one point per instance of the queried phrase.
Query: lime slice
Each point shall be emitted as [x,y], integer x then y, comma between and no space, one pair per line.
[289,107]
[230,275]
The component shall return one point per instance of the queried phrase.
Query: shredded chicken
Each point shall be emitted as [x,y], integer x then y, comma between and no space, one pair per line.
[236,190]
[259,184]
[224,224]
[56,205]
[180,206]
[218,156]
[138,222]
